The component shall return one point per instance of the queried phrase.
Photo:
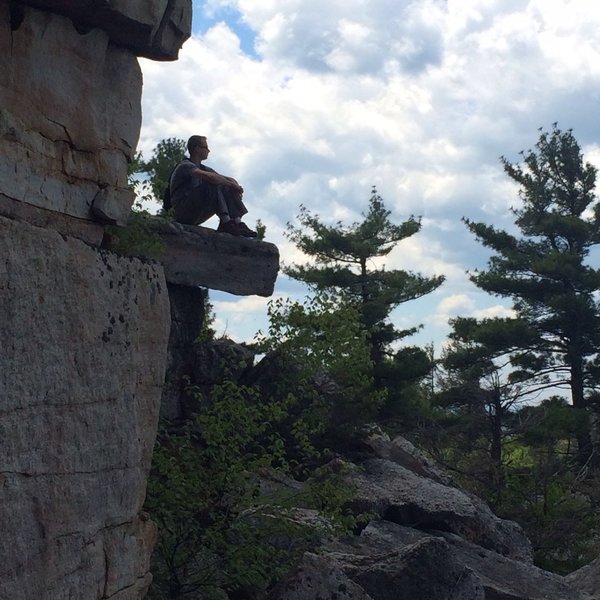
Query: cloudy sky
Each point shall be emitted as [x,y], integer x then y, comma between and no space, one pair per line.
[314,102]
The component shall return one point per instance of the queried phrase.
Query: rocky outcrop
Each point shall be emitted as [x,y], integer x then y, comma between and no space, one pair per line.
[587,580]
[84,331]
[84,335]
[410,572]
[70,90]
[69,114]
[425,540]
[193,362]
[154,28]
[388,561]
[187,316]
[196,256]
[84,339]
[397,494]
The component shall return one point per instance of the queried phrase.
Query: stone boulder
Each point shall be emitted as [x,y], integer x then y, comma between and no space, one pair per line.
[426,570]
[587,580]
[319,576]
[389,561]
[425,540]
[404,453]
[397,494]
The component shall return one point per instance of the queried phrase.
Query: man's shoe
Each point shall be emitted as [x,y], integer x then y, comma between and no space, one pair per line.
[245,231]
[228,227]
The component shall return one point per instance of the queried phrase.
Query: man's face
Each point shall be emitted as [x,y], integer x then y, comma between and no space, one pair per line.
[201,149]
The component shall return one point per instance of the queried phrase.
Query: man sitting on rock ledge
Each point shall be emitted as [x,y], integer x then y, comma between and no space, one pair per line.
[198,192]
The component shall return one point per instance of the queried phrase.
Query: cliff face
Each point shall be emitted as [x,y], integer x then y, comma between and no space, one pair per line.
[83,338]
[84,332]
[83,349]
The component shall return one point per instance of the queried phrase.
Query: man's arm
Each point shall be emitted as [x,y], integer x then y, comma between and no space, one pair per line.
[216,178]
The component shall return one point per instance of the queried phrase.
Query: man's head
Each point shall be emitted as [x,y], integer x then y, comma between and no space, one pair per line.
[196,141]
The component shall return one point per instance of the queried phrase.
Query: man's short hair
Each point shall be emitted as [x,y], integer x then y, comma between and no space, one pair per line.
[196,140]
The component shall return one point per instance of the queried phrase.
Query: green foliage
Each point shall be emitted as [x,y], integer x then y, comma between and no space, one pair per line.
[533,464]
[325,367]
[220,530]
[542,486]
[545,272]
[551,421]
[556,507]
[139,185]
[216,532]
[343,267]
[165,156]
[408,399]
[137,238]
[342,258]
[261,230]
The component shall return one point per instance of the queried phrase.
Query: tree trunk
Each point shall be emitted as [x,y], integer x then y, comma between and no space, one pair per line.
[585,447]
[496,442]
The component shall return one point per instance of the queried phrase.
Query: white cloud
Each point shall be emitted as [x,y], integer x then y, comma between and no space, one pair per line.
[453,306]
[417,97]
[238,318]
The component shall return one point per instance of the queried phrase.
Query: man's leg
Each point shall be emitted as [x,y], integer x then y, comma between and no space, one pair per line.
[236,209]
[201,204]
[226,222]
[196,207]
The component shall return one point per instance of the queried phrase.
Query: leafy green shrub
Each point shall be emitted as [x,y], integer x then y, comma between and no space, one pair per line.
[557,510]
[204,495]
[218,532]
[326,369]
[221,529]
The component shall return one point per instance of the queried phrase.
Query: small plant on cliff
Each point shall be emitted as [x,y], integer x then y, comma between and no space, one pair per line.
[137,238]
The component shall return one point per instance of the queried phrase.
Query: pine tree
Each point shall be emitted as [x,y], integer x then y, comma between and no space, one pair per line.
[546,271]
[343,265]
[480,390]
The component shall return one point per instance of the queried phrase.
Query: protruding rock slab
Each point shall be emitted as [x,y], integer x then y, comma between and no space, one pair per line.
[198,256]
[83,343]
[153,28]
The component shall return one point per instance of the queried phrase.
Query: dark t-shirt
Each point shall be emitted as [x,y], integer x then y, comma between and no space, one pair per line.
[183,182]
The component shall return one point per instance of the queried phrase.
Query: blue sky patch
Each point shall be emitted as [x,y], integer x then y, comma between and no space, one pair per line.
[202,21]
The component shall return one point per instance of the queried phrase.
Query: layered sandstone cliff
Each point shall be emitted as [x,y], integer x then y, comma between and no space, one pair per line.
[84,331]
